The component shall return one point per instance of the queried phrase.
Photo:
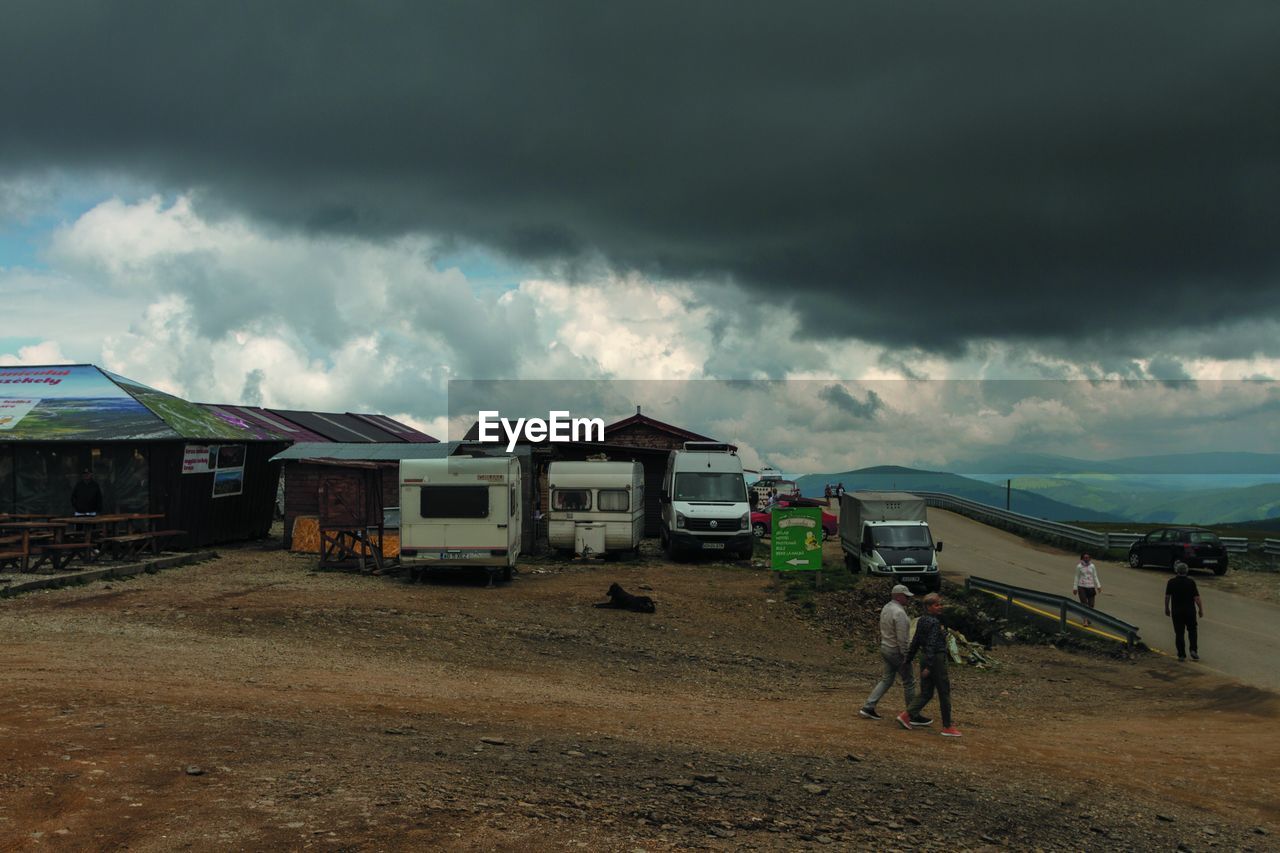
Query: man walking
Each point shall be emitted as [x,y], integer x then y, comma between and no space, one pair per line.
[931,641]
[895,639]
[1182,602]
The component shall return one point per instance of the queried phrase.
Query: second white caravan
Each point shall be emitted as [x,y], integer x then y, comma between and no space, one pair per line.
[596,507]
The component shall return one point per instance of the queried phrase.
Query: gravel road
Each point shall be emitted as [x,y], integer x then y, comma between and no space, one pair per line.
[252,703]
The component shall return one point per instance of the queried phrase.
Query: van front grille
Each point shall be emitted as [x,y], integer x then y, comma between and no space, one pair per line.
[717,524]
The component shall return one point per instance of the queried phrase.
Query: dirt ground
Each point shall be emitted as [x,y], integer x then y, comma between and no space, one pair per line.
[250,702]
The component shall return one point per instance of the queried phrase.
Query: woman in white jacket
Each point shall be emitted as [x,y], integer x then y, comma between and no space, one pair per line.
[1087,585]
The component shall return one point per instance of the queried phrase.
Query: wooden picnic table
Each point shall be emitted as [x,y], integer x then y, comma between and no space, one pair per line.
[28,530]
[123,535]
[103,525]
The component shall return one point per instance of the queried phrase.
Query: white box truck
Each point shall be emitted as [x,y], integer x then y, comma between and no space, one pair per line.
[460,512]
[704,502]
[596,506]
[887,534]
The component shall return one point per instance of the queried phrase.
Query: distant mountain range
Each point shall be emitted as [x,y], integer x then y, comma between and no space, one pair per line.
[1184,470]
[894,478]
[1198,488]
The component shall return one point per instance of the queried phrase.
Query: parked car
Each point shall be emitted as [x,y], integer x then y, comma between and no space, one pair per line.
[1195,546]
[799,500]
[762,522]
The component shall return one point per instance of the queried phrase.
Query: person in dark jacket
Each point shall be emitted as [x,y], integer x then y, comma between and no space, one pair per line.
[1182,602]
[931,641]
[86,497]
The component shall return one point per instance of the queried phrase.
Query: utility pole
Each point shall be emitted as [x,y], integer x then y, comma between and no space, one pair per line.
[1008,493]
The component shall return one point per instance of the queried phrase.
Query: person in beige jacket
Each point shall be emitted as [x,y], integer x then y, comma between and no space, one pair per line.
[895,639]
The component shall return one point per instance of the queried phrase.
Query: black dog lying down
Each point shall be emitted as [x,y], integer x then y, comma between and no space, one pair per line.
[623,600]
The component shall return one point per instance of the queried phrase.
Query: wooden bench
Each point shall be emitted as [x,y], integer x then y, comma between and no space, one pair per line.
[59,554]
[130,546]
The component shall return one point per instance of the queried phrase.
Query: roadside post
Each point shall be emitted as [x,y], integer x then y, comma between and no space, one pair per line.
[795,542]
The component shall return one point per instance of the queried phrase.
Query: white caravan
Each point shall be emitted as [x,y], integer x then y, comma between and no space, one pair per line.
[462,511]
[704,502]
[596,507]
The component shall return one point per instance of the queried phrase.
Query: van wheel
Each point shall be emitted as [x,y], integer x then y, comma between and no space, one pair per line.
[506,573]
[1219,570]
[674,553]
[852,564]
[414,574]
[758,529]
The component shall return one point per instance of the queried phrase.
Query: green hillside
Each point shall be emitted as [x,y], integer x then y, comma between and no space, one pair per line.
[1207,506]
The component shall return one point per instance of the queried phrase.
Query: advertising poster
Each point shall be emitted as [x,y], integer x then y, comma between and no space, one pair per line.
[196,459]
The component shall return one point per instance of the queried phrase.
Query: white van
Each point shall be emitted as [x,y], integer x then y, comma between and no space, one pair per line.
[596,507]
[461,511]
[704,502]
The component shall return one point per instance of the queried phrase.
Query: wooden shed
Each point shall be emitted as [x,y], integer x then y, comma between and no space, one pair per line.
[149,452]
[306,466]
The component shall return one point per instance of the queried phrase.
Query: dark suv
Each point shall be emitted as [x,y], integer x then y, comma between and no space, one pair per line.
[1195,546]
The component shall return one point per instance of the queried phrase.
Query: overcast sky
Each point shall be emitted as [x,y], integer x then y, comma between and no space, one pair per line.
[343,206]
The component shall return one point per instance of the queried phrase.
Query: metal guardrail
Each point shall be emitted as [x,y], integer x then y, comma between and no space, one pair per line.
[1018,521]
[1234,544]
[1083,537]
[1058,607]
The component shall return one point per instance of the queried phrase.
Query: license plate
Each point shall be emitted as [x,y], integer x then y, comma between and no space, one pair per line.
[910,578]
[1211,562]
[453,555]
[713,545]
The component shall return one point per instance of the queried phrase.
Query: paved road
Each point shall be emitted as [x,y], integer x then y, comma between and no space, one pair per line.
[1239,637]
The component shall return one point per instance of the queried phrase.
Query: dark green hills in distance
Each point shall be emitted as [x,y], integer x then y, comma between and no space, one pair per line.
[1194,488]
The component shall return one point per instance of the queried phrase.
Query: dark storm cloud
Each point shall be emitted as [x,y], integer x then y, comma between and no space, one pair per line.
[839,396]
[918,174]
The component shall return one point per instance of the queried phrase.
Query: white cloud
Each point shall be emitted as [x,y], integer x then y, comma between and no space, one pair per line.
[45,352]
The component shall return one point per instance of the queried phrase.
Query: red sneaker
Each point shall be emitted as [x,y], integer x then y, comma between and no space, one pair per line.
[904,720]
[950,731]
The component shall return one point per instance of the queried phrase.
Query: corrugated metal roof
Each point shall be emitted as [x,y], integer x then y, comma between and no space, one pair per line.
[365,451]
[338,427]
[402,431]
[278,424]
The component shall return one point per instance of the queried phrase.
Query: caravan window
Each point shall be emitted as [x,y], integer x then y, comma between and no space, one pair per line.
[614,500]
[455,502]
[571,499]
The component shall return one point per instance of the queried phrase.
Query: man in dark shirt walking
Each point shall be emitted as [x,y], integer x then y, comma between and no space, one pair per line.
[1182,602]
[931,641]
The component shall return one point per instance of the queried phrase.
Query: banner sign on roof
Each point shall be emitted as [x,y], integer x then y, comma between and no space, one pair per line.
[74,402]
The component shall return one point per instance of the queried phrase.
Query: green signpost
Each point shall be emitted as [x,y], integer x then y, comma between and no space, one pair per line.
[796,539]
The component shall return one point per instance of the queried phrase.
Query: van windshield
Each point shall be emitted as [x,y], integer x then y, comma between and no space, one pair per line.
[710,486]
[912,536]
